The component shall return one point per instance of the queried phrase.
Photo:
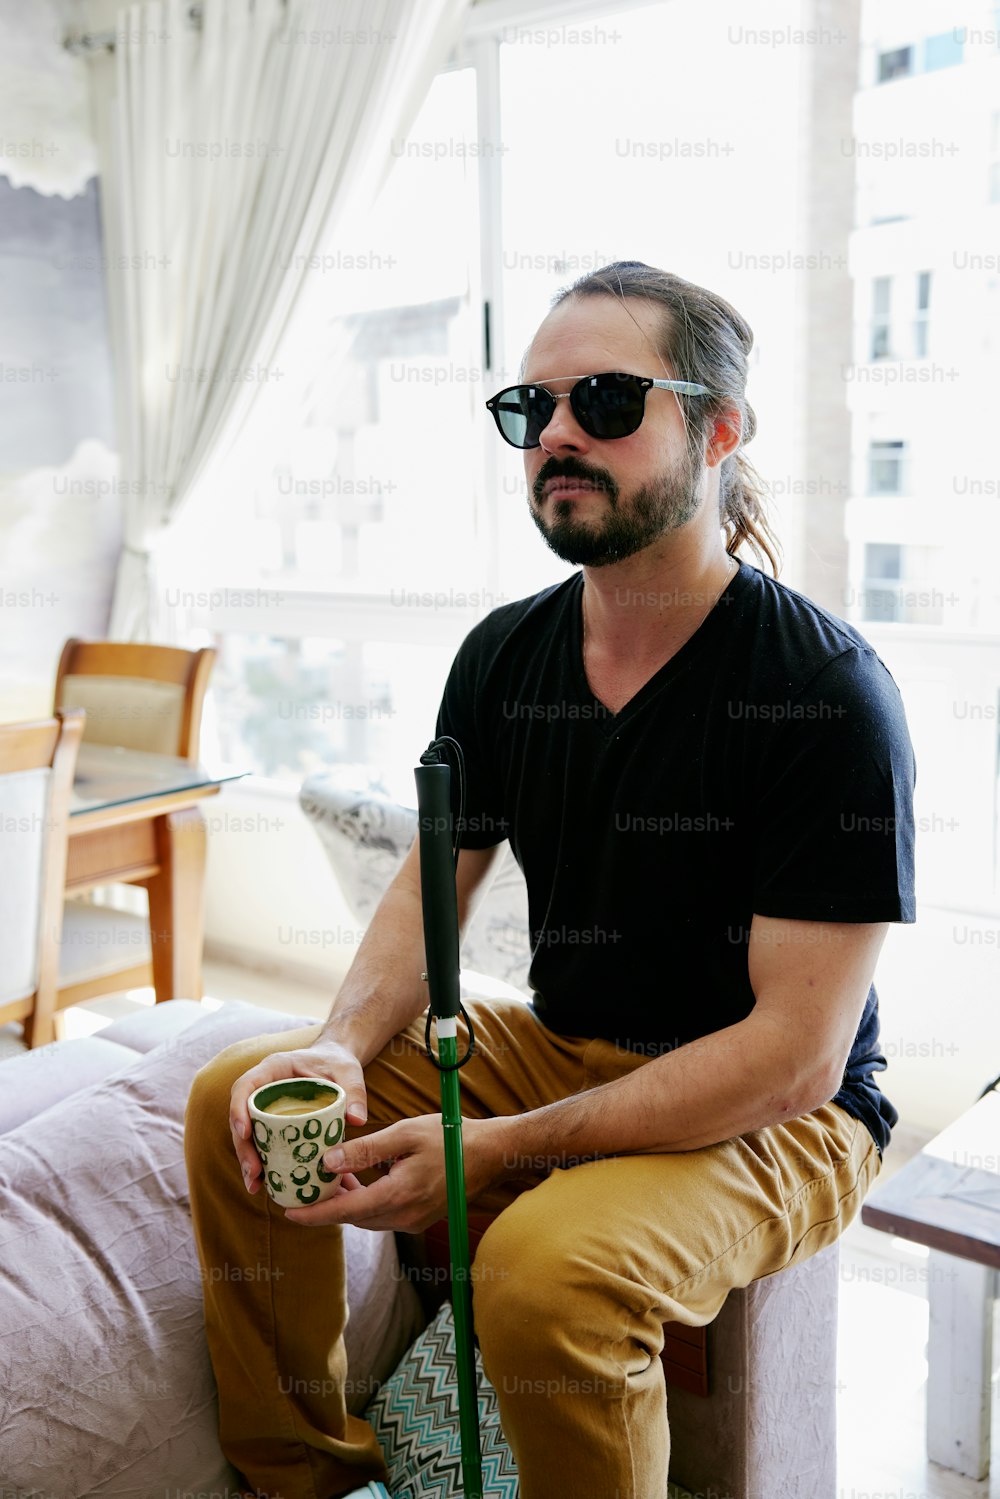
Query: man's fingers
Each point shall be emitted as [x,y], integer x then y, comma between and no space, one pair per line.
[365,1151]
[365,1207]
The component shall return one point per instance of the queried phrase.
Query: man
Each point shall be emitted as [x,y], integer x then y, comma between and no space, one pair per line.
[707,781]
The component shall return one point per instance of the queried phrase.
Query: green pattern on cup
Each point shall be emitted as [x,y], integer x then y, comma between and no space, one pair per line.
[334,1130]
[312,1128]
[323,1174]
[307,1194]
[261,1134]
[290,1133]
[277,1182]
[307,1151]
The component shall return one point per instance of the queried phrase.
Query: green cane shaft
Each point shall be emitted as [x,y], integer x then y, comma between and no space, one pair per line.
[461,1285]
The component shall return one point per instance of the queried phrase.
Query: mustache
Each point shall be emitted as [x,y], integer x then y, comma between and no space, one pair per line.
[572,468]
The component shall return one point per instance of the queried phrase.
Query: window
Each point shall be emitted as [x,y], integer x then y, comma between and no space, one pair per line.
[902,584]
[881,305]
[372,475]
[883,560]
[883,571]
[943,50]
[920,326]
[895,64]
[885,467]
[354,505]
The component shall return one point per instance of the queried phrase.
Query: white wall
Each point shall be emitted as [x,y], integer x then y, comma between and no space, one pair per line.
[272,901]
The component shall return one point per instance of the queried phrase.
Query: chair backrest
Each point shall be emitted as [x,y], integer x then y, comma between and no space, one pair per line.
[37,761]
[143,697]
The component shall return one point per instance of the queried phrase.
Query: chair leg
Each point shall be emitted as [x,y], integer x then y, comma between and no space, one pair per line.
[177,905]
[40,1026]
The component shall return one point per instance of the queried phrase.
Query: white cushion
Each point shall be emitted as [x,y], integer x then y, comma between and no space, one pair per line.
[24,797]
[98,940]
[130,711]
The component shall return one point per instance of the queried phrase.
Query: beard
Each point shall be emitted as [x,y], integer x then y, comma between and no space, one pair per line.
[664,504]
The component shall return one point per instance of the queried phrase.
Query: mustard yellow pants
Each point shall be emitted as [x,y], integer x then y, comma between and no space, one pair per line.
[571,1283]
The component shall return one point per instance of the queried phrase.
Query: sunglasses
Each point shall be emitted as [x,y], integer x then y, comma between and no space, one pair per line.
[606,406]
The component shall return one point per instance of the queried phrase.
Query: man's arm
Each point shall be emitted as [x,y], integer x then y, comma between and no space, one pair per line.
[383,992]
[811,980]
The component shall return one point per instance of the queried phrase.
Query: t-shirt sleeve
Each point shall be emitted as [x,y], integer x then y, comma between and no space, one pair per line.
[835,806]
[464,716]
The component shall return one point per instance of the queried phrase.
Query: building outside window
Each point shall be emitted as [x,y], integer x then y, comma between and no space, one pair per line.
[881,339]
[883,575]
[943,50]
[885,467]
[920,326]
[895,64]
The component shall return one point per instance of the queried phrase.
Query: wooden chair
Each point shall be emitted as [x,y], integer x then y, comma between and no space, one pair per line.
[37,762]
[144,697]
[141,697]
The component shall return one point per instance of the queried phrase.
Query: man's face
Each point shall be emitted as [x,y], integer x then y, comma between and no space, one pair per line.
[596,501]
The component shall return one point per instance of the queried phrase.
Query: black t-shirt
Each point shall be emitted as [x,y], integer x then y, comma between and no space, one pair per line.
[766,768]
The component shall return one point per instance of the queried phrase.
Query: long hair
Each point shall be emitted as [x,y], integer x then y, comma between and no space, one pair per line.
[705,340]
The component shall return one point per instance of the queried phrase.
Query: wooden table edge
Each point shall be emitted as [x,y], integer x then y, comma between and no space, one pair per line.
[143,807]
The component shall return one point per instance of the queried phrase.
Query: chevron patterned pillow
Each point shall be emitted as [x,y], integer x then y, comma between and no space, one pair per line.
[415,1417]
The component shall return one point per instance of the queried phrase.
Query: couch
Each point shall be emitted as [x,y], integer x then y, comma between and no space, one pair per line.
[105,1383]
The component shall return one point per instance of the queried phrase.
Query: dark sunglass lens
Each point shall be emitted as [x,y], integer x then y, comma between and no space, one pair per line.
[522,413]
[609,405]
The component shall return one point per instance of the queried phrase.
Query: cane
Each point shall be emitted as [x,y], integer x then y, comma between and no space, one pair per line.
[438,859]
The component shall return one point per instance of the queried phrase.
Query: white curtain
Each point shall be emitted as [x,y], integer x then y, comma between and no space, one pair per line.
[234,151]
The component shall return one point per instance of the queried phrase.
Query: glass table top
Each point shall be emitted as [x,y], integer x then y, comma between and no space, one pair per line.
[108,776]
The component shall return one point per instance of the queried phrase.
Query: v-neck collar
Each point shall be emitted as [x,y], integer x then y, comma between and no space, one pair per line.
[712,625]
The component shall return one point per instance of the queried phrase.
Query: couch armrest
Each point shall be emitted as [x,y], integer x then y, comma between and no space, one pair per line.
[32,1081]
[367,835]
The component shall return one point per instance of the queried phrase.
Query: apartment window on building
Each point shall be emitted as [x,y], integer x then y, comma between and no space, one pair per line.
[901,584]
[885,467]
[895,64]
[881,301]
[883,575]
[943,50]
[920,325]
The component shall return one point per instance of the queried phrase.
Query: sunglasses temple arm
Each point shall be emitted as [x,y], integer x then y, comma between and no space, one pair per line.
[683,387]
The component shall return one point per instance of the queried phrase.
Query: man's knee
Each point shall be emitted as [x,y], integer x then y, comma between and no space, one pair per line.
[207,1109]
[525,1261]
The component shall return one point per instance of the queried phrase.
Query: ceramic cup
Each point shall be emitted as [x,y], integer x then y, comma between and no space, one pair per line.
[292,1145]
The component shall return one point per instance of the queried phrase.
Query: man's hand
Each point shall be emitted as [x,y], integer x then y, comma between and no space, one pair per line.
[414,1193]
[324,1059]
